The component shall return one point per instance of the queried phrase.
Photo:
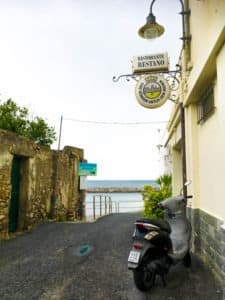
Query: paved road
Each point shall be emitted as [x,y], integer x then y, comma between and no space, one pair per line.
[47,264]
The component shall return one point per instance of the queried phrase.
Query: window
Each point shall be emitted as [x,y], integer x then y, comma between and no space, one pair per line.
[206,105]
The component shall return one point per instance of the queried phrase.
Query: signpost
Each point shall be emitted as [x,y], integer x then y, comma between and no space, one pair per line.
[86,169]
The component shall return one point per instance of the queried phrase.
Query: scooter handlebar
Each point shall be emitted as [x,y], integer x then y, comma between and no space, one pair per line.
[160,205]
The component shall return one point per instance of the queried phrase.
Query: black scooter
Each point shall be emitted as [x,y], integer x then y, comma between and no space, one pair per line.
[159,244]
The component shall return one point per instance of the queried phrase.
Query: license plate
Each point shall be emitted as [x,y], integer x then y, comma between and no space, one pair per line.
[134,256]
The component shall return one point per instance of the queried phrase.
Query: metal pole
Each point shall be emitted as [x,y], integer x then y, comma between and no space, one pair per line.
[100,205]
[110,205]
[60,132]
[105,206]
[151,5]
[94,207]
[183,148]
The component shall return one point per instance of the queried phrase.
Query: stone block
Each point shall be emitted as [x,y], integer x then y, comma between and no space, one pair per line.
[2,217]
[209,240]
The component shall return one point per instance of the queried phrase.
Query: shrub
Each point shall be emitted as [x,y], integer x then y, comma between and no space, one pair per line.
[153,196]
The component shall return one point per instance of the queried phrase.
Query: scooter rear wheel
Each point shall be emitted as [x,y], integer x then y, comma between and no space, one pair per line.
[144,278]
[187,260]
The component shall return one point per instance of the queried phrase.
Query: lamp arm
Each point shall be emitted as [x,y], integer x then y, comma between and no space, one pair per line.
[183,13]
[181,2]
[151,5]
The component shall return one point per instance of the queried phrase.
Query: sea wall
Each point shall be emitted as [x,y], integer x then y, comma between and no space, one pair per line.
[114,190]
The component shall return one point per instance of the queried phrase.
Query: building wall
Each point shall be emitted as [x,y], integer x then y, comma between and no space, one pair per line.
[48,183]
[206,165]
[203,64]
[207,29]
[206,142]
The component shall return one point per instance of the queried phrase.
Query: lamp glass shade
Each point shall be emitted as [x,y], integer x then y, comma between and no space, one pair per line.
[151,31]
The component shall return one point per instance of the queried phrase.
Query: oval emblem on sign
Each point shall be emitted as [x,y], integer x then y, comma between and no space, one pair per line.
[152,91]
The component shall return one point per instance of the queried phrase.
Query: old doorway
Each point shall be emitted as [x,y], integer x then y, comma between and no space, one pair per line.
[15,192]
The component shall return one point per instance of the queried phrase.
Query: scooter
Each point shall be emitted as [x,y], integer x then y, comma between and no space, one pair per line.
[159,244]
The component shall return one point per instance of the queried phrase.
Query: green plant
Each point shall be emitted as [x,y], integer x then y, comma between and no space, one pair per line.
[165,183]
[62,219]
[15,118]
[153,196]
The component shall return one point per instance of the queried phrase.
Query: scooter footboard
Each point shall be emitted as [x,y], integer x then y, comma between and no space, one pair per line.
[138,252]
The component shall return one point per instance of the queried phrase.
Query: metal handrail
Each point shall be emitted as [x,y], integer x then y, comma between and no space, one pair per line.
[104,205]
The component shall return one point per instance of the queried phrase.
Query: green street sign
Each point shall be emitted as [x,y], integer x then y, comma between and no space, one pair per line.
[87,169]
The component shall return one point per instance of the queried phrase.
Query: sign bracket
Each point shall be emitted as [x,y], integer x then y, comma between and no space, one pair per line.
[173,78]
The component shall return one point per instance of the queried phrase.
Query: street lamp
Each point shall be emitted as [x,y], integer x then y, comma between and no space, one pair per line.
[153,30]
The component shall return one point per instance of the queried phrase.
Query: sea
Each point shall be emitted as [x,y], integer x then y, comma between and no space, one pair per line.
[98,204]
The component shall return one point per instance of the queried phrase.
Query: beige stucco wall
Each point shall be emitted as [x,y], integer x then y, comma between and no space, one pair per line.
[212,149]
[203,65]
[207,26]
[205,142]
[192,145]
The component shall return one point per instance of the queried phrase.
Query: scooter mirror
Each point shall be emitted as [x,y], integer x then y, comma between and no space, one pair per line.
[188,182]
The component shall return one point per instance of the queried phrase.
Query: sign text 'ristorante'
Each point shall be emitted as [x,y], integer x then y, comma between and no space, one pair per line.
[151,62]
[152,91]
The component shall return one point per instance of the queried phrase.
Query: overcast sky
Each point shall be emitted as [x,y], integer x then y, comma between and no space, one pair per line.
[58,57]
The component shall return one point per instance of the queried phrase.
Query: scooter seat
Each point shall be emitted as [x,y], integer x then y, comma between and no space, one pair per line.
[162,224]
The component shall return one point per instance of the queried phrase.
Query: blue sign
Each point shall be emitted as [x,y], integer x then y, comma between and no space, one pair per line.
[87,169]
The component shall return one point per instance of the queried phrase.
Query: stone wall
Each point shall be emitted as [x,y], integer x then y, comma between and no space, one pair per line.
[48,182]
[209,240]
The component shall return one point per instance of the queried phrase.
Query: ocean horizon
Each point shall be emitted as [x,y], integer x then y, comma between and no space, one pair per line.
[125,201]
[108,183]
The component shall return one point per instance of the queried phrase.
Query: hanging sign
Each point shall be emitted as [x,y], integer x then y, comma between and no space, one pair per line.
[152,91]
[151,62]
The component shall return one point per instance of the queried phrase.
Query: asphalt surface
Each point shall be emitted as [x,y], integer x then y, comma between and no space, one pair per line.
[76,261]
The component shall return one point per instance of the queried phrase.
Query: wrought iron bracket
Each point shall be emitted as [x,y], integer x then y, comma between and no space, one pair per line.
[173,78]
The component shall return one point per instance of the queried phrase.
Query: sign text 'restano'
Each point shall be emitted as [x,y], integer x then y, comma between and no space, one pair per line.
[152,91]
[144,63]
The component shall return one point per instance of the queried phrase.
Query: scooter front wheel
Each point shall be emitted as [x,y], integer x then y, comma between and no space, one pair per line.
[144,278]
